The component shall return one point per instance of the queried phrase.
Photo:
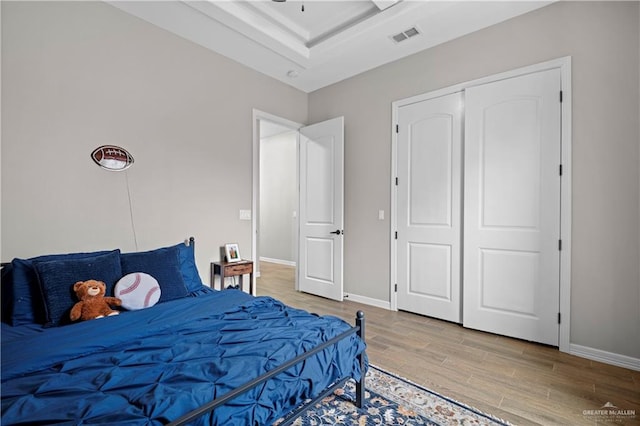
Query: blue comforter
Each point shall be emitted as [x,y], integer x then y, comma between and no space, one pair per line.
[154,365]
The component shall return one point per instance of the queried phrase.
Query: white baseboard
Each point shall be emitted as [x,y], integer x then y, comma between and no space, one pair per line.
[368,301]
[604,356]
[578,350]
[278,261]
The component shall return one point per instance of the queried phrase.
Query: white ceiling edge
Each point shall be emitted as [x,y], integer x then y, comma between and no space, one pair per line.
[383,4]
[255,27]
[360,48]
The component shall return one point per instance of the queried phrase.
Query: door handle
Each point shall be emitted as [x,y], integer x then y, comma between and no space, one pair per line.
[337,232]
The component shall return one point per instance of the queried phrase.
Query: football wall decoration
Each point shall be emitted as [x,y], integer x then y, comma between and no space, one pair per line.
[111,157]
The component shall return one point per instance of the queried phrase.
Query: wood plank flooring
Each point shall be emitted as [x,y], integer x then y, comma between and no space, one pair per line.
[521,382]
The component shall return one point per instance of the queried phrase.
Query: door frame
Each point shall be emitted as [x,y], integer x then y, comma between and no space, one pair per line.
[258,116]
[564,64]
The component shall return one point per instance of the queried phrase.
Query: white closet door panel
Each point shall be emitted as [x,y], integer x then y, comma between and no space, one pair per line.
[430,270]
[429,202]
[430,171]
[512,207]
[510,172]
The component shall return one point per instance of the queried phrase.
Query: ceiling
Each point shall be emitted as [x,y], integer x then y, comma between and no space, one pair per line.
[310,44]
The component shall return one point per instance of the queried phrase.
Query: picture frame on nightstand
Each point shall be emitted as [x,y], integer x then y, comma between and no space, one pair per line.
[232,252]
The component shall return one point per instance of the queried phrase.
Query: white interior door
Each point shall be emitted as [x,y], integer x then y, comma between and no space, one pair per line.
[512,207]
[321,210]
[428,207]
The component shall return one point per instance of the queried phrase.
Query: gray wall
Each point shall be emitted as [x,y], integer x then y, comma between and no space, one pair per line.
[80,74]
[76,75]
[278,196]
[603,40]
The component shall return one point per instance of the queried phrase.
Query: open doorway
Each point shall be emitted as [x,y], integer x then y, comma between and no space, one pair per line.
[275,193]
[319,196]
[278,194]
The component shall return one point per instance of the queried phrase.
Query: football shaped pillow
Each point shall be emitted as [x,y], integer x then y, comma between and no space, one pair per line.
[137,291]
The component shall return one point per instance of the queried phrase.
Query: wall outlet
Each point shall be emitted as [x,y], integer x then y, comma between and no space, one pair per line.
[245,215]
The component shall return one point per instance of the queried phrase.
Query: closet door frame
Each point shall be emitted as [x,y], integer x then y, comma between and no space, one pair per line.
[564,64]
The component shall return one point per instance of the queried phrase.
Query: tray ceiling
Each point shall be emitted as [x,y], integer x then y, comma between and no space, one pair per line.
[314,43]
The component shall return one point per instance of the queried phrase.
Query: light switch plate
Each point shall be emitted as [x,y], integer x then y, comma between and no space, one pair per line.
[245,214]
[380,214]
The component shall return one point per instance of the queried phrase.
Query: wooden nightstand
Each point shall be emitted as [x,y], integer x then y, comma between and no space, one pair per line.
[232,269]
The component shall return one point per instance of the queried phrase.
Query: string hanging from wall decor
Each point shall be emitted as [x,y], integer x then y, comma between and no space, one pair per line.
[117,159]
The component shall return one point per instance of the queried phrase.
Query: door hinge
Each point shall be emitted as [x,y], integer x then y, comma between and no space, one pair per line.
[397,128]
[560,169]
[559,317]
[561,96]
[560,245]
[396,288]
[396,181]
[396,235]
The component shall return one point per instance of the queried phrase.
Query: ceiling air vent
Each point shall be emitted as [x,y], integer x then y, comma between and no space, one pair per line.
[405,35]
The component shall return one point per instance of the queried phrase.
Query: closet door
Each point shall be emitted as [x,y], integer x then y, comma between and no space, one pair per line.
[428,206]
[512,207]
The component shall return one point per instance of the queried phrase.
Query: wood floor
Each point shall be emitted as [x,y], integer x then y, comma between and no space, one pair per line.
[521,382]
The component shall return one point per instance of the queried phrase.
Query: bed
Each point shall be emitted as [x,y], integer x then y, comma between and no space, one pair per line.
[199,356]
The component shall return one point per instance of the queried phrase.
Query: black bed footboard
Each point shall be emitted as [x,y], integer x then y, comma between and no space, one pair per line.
[360,388]
[360,385]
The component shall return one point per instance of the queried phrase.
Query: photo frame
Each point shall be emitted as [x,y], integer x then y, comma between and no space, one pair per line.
[232,252]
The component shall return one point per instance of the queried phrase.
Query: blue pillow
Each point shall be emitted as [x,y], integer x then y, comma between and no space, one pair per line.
[163,264]
[6,297]
[28,307]
[188,267]
[57,277]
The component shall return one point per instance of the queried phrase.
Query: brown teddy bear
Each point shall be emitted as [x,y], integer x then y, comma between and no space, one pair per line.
[93,303]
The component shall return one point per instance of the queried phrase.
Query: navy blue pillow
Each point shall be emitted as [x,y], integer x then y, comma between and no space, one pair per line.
[27,306]
[188,268]
[6,296]
[163,264]
[57,277]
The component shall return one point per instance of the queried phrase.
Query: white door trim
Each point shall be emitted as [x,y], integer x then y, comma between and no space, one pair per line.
[255,192]
[564,64]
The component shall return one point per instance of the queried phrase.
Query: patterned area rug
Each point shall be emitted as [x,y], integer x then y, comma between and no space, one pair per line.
[391,400]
